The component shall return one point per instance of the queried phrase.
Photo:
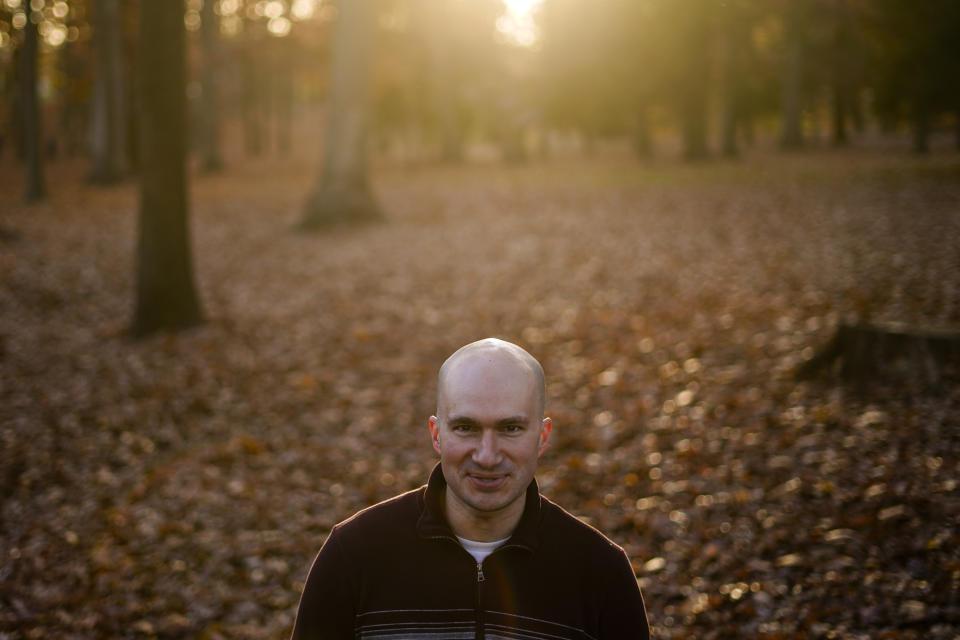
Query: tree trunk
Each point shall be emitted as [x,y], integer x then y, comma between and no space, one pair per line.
[443,80]
[284,108]
[109,117]
[792,135]
[642,142]
[728,89]
[30,114]
[728,141]
[251,86]
[251,102]
[956,129]
[748,127]
[693,86]
[343,194]
[921,126]
[840,103]
[695,126]
[862,353]
[210,135]
[513,147]
[75,114]
[841,73]
[166,297]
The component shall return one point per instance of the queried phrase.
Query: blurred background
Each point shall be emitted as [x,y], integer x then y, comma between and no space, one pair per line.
[238,238]
[504,79]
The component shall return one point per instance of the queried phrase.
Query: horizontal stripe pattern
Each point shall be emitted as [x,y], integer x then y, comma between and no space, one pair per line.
[459,624]
[416,634]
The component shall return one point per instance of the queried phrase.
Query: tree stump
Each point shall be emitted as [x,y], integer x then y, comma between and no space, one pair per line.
[891,352]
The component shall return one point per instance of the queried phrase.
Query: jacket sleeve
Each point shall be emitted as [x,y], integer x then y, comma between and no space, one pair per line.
[625,616]
[326,610]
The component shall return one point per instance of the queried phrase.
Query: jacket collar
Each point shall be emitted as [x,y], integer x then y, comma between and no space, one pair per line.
[433,522]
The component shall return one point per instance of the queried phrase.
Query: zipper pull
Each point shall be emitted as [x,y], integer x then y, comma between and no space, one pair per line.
[480,577]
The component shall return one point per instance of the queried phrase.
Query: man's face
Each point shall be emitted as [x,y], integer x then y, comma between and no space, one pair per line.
[489,433]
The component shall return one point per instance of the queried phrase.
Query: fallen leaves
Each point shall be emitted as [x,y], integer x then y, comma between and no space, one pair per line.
[181,485]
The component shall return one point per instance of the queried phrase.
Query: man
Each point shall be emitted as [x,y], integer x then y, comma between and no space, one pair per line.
[477,552]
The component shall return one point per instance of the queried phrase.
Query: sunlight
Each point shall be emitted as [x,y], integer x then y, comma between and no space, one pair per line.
[302,9]
[517,24]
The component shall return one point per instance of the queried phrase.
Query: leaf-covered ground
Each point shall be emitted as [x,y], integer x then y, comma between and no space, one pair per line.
[180,486]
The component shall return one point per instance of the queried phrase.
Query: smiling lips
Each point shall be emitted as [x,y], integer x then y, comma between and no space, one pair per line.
[487,482]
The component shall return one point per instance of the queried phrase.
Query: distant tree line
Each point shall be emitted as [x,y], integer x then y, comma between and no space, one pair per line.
[445,76]
[138,85]
[616,67]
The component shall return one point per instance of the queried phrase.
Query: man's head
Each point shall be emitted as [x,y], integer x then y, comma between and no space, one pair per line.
[489,429]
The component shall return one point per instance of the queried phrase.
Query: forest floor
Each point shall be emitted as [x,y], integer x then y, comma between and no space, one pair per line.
[179,486]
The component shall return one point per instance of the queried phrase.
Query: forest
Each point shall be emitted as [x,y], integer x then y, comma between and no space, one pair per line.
[239,237]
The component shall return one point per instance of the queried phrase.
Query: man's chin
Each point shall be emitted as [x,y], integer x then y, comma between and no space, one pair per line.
[489,502]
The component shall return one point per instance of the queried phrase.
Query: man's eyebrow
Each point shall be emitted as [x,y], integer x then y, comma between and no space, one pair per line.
[520,419]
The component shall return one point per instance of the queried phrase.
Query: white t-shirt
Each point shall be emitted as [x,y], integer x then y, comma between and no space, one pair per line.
[480,550]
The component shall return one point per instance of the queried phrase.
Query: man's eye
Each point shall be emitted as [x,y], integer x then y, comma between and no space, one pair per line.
[513,428]
[462,428]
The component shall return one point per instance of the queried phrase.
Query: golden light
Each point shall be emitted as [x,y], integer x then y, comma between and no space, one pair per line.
[273,9]
[302,9]
[228,7]
[191,20]
[279,26]
[56,36]
[517,24]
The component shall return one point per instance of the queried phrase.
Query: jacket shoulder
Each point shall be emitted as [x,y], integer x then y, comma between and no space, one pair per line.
[573,530]
[399,510]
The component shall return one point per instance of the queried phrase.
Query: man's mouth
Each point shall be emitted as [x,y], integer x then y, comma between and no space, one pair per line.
[487,482]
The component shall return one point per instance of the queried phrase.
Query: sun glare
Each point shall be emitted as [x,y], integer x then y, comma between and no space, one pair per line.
[517,23]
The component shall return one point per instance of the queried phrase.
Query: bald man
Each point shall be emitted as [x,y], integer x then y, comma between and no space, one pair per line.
[477,552]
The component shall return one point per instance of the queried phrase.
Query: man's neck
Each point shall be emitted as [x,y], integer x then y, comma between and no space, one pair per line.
[487,527]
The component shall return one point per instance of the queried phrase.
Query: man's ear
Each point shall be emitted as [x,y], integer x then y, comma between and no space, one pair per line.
[435,433]
[545,429]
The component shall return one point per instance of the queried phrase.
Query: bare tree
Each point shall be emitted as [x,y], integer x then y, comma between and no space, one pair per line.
[210,37]
[343,194]
[30,114]
[841,83]
[792,133]
[109,105]
[166,297]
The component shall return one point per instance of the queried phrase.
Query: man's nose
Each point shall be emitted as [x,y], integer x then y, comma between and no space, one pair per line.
[487,453]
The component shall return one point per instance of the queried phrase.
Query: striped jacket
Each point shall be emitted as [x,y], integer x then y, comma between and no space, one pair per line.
[395,571]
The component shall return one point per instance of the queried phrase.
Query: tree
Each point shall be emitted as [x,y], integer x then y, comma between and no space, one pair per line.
[916,61]
[109,115]
[284,60]
[588,65]
[692,83]
[252,83]
[30,114]
[210,133]
[343,194]
[842,89]
[791,136]
[166,297]
[441,47]
[738,69]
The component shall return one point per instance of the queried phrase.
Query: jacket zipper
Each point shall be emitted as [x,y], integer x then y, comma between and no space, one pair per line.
[479,606]
[480,579]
